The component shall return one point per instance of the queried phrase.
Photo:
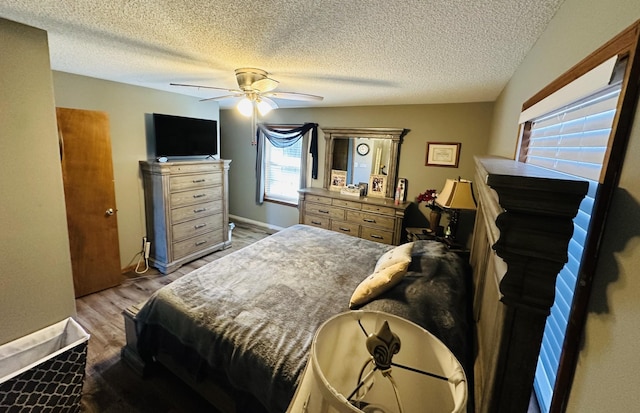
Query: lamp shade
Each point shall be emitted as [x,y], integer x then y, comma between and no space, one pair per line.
[339,356]
[456,194]
[264,107]
[245,106]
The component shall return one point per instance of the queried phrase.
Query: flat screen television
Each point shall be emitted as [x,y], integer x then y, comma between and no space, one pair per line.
[178,136]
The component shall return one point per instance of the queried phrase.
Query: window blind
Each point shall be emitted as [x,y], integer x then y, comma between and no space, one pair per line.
[573,140]
[282,172]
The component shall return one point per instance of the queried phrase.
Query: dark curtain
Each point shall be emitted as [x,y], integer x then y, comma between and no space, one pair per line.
[282,139]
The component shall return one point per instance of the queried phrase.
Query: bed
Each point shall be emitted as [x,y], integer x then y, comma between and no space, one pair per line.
[239,329]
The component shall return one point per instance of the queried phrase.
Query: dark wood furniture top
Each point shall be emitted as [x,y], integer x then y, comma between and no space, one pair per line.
[522,230]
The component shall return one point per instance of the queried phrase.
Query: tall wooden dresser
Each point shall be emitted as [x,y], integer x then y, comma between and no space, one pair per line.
[187,212]
[375,219]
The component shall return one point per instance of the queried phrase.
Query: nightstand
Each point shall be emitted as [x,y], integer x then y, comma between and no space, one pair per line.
[415,234]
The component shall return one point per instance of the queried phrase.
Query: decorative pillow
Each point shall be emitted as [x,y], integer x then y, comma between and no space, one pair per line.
[401,253]
[377,283]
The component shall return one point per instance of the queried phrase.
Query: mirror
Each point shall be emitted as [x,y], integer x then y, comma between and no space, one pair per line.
[361,157]
[362,152]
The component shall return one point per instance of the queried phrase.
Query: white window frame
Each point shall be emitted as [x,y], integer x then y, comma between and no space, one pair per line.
[302,178]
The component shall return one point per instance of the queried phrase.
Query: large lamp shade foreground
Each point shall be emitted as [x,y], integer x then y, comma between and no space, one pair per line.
[427,376]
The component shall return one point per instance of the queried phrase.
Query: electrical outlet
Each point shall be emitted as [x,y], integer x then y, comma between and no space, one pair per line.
[144,245]
[147,248]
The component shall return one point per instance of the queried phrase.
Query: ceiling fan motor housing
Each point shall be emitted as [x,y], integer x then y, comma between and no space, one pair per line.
[247,76]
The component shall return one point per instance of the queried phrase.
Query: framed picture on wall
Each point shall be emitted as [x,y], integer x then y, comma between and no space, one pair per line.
[338,179]
[378,185]
[443,154]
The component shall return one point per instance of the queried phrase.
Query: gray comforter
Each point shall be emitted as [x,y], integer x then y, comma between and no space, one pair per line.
[253,313]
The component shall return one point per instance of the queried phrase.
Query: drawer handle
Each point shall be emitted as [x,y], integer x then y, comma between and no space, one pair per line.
[323,211]
[345,229]
[376,236]
[199,195]
[199,210]
[372,221]
[199,226]
[316,223]
[197,181]
[201,242]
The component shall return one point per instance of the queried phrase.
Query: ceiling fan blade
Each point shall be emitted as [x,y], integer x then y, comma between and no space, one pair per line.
[265,85]
[273,104]
[205,87]
[236,95]
[292,96]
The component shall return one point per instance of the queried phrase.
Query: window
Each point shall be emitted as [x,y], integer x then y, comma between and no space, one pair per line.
[283,169]
[584,135]
[283,164]
[573,140]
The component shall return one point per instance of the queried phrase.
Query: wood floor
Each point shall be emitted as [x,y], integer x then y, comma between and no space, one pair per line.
[110,386]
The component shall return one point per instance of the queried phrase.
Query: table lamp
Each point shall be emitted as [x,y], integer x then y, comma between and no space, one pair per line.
[374,362]
[456,195]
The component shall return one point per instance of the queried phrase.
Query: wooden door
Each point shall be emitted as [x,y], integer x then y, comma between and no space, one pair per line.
[87,171]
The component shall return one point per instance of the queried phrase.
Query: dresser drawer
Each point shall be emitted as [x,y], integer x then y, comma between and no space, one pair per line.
[182,182]
[318,199]
[379,209]
[375,234]
[346,204]
[324,211]
[371,219]
[196,196]
[346,227]
[178,168]
[189,246]
[322,222]
[195,211]
[196,227]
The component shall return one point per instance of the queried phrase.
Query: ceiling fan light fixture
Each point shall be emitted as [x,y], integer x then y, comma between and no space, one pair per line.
[264,107]
[245,106]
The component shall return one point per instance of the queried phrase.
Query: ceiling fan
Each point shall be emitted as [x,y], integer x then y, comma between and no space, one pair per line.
[257,91]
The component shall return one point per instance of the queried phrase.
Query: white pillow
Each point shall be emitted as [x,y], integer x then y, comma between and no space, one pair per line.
[377,283]
[401,253]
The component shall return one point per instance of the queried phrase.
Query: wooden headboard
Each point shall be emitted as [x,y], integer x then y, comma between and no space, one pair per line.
[523,226]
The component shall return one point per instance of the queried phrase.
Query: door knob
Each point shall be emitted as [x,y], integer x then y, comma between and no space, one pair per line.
[109,211]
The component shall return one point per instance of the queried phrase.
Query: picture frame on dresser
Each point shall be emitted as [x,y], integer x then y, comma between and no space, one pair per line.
[378,185]
[364,188]
[338,179]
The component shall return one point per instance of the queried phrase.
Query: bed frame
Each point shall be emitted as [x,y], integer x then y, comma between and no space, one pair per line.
[522,230]
[523,226]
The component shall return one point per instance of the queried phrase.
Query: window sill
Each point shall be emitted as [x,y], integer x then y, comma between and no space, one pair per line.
[281,202]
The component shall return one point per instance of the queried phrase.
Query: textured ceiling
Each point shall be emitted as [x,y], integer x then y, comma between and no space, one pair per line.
[352,52]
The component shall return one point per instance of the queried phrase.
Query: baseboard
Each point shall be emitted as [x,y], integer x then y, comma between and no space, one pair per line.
[258,224]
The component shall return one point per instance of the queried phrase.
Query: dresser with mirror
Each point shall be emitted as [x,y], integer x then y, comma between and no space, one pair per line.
[357,154]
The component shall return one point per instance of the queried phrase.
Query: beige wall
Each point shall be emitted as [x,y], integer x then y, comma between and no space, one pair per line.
[36,288]
[466,123]
[126,106]
[607,378]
